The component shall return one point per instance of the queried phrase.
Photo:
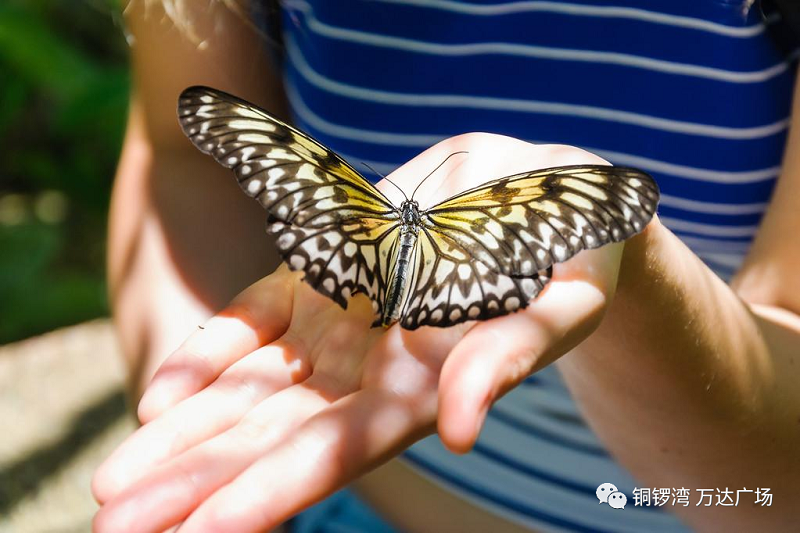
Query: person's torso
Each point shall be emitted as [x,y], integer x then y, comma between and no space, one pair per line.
[692,91]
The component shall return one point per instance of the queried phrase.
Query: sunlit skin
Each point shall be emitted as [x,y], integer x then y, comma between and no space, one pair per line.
[285,386]
[290,350]
[283,397]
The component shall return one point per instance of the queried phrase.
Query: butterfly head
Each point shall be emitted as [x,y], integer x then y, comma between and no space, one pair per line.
[409,210]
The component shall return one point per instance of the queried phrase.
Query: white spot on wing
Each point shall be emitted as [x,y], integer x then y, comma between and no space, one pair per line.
[333,238]
[285,240]
[444,270]
[512,304]
[297,262]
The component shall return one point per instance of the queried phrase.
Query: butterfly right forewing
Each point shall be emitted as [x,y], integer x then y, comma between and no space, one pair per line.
[288,172]
[523,224]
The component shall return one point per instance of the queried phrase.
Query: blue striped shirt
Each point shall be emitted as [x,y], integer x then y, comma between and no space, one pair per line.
[694,92]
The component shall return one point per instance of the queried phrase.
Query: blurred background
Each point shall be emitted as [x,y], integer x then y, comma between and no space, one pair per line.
[63,97]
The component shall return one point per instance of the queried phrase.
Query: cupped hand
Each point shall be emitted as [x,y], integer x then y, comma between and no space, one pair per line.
[283,397]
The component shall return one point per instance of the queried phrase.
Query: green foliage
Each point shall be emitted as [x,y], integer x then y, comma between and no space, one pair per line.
[63,97]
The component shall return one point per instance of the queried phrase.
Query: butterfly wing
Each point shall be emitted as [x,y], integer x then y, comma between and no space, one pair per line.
[330,222]
[449,286]
[516,228]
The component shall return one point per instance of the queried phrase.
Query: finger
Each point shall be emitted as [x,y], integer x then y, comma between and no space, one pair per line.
[257,316]
[254,377]
[210,412]
[171,491]
[354,435]
[497,355]
[488,156]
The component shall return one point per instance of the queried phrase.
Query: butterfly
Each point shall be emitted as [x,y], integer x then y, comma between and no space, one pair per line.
[483,253]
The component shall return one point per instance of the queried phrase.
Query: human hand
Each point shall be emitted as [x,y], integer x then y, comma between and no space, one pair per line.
[283,397]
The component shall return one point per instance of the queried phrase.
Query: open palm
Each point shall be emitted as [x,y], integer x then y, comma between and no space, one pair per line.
[283,397]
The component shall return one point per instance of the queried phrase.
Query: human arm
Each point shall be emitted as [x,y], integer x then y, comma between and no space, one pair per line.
[693,383]
[305,454]
[171,262]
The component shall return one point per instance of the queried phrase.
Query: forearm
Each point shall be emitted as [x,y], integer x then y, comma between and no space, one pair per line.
[183,241]
[688,386]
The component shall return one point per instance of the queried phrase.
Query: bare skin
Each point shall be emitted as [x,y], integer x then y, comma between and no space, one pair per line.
[273,405]
[172,258]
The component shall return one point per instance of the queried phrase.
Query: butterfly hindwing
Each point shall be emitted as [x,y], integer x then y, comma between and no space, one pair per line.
[449,287]
[329,221]
[340,261]
[522,224]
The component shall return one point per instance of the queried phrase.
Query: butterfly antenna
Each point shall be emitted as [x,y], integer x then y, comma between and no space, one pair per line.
[435,169]
[387,179]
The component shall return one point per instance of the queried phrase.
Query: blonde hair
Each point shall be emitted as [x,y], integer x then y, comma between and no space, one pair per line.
[179,14]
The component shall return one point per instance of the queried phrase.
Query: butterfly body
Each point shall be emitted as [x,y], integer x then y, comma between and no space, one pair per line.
[483,253]
[398,284]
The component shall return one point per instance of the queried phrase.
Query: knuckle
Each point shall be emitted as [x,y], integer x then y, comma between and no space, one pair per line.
[251,432]
[239,383]
[193,358]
